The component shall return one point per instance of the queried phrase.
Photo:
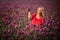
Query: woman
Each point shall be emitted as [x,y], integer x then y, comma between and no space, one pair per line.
[37,18]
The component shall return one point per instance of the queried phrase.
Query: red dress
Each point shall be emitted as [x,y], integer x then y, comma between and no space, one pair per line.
[36,21]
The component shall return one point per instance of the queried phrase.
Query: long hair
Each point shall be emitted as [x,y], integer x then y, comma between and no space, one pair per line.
[42,13]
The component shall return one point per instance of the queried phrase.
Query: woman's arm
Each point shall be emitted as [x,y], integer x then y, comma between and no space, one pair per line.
[29,14]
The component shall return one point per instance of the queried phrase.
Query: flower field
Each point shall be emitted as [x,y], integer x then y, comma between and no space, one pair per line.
[13,22]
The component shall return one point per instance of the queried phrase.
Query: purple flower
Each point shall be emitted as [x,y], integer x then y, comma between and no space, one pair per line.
[27,27]
[43,33]
[9,30]
[51,33]
[40,30]
[56,28]
[36,28]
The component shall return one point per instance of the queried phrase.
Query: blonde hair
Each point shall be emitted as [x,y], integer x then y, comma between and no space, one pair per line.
[42,8]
